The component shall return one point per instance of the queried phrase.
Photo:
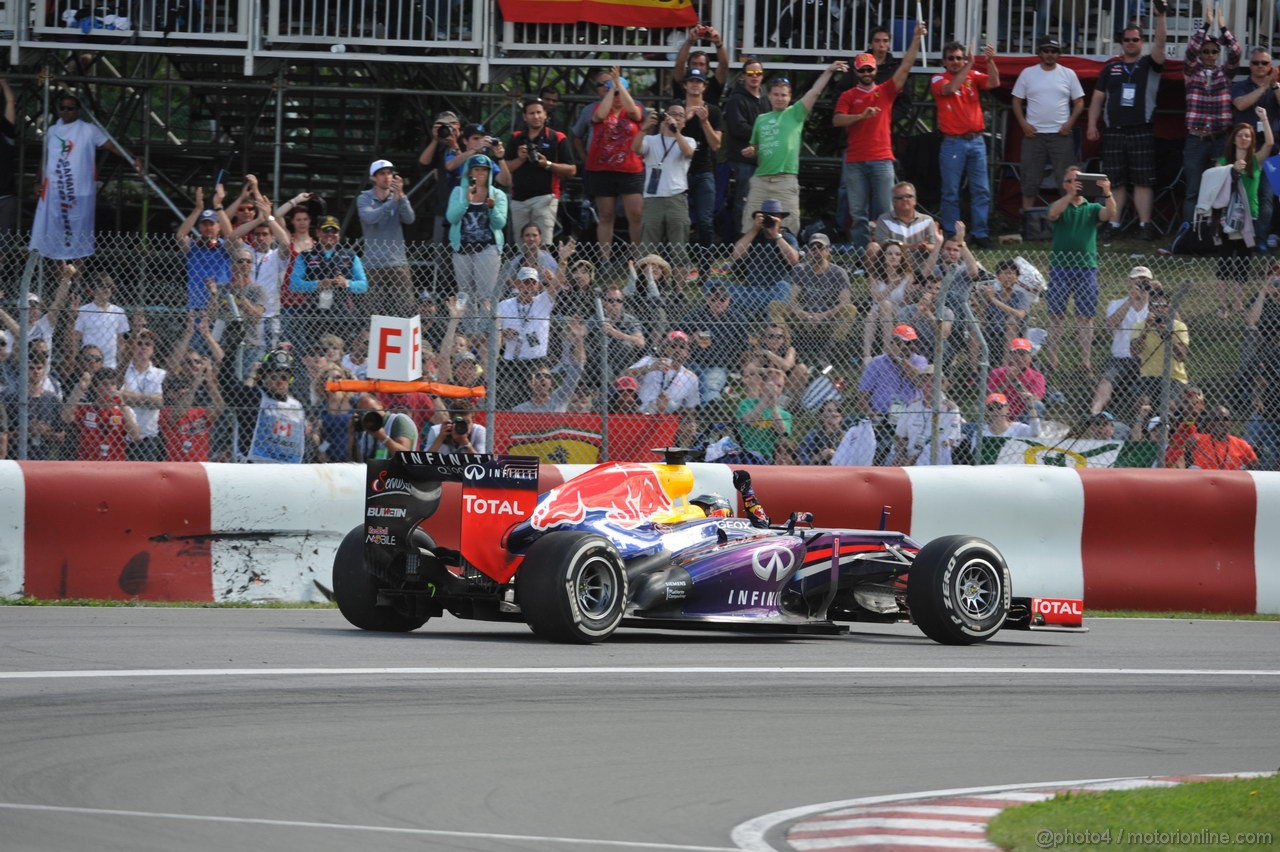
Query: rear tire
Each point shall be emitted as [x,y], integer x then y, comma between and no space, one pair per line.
[572,588]
[356,591]
[958,590]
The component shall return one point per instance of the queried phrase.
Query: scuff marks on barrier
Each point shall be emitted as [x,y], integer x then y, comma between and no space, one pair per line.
[276,567]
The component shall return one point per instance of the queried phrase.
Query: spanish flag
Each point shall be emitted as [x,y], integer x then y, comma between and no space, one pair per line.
[619,13]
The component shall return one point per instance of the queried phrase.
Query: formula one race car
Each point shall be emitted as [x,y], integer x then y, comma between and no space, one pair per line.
[624,544]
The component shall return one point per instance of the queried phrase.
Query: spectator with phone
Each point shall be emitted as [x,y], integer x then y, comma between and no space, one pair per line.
[688,59]
[617,171]
[1073,263]
[384,210]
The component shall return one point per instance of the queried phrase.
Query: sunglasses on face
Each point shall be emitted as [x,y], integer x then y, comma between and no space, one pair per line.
[754,73]
[612,300]
[903,197]
[1262,62]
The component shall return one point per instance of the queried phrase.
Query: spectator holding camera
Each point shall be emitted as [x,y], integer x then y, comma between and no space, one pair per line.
[477,217]
[538,159]
[455,434]
[1160,333]
[379,433]
[1121,372]
[763,258]
[667,153]
[442,146]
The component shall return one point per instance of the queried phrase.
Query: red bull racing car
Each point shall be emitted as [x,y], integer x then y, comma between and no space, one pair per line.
[629,544]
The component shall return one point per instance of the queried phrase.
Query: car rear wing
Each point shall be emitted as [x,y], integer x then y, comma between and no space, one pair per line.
[497,492]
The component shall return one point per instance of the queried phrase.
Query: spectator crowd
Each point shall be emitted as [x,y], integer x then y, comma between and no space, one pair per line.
[767,337]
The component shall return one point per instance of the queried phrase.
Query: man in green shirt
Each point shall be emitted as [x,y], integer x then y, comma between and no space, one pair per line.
[1073,261]
[775,146]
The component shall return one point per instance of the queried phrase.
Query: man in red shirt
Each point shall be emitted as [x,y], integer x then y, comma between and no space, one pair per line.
[964,147]
[1018,380]
[865,111]
[103,420]
[185,425]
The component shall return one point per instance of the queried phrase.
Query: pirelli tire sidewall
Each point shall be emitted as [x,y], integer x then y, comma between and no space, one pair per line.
[959,590]
[572,587]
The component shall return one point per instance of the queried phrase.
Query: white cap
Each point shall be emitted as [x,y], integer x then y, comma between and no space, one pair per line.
[527,273]
[378,165]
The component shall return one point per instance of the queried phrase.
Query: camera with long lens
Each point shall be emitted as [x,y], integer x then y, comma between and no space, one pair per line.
[460,426]
[444,131]
[372,421]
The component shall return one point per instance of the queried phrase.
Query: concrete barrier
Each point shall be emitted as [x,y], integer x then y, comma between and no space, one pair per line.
[1161,540]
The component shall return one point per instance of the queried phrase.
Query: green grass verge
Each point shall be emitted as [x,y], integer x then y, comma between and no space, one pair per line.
[1236,814]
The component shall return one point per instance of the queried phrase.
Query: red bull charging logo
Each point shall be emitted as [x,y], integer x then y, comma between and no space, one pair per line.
[624,494]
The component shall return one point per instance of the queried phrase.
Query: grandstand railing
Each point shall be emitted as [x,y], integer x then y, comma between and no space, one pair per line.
[790,34]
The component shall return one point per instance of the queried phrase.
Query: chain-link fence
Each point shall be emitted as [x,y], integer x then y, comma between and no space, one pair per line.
[924,357]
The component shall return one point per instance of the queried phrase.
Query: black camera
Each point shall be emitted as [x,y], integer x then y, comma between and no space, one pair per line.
[660,115]
[531,150]
[372,421]
[768,221]
[460,426]
[444,131]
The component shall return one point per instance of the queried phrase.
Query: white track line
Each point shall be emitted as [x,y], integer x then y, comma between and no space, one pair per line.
[556,842]
[628,670]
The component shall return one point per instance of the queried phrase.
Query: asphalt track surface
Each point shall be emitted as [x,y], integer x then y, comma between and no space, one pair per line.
[156,729]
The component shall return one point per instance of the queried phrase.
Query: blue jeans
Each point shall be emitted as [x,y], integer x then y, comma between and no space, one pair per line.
[1198,153]
[1266,204]
[702,204]
[753,301]
[965,158]
[869,186]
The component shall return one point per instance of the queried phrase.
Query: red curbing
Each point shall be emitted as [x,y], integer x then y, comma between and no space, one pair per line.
[117,531]
[1169,540]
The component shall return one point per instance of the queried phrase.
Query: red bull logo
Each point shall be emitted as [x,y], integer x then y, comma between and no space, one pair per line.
[625,494]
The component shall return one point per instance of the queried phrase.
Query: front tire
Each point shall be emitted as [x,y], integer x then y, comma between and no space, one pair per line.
[958,590]
[356,591]
[572,587]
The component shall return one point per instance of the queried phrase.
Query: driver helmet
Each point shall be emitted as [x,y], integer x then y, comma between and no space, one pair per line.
[278,360]
[714,505]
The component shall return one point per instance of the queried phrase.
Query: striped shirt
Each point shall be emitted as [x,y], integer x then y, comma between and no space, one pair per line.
[1209,86]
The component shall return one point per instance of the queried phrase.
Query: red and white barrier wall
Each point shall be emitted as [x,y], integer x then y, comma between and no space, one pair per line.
[1142,539]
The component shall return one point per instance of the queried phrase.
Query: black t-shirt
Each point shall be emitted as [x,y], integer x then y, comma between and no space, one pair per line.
[704,159]
[1131,90]
[530,181]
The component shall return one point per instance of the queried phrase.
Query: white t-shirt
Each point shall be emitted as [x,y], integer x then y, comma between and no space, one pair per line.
[916,425]
[1123,334]
[1048,95]
[532,323]
[268,272]
[1016,429]
[101,327]
[663,153]
[680,385]
[149,381]
[63,228]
